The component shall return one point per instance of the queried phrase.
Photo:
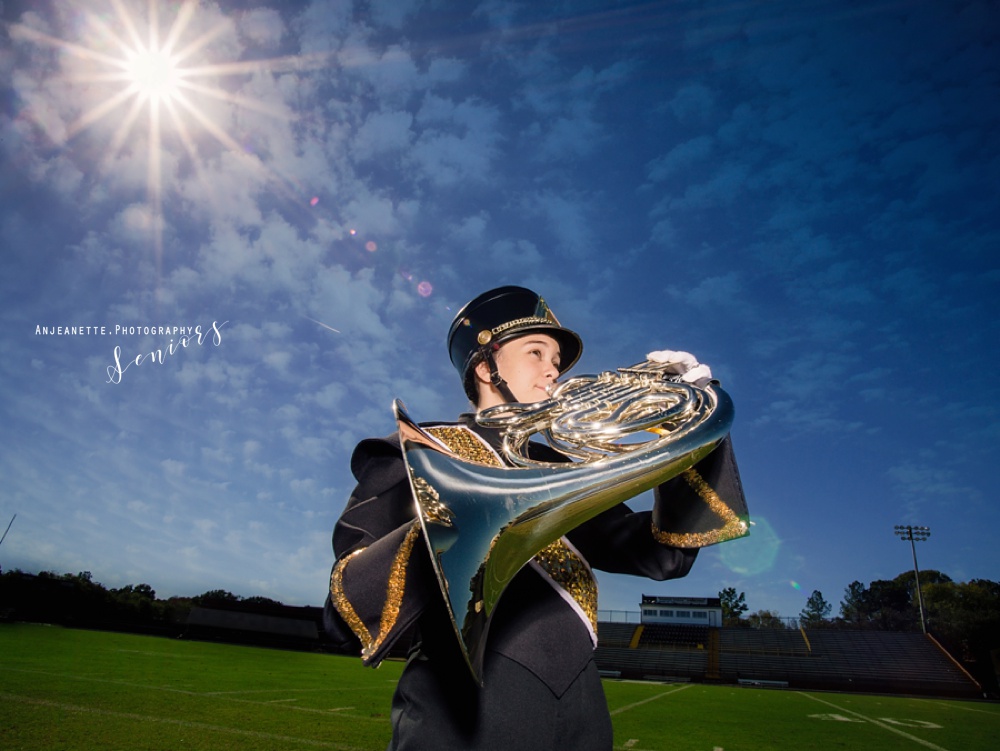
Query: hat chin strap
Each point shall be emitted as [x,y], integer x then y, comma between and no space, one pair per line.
[495,378]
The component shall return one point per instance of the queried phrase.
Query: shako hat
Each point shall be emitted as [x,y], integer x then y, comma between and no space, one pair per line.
[503,314]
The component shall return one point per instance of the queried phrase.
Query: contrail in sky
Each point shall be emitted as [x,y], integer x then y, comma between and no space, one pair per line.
[320,323]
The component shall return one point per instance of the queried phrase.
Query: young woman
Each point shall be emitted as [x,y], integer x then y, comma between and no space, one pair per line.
[540,687]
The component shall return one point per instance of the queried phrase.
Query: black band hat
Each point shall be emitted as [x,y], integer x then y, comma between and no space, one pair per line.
[503,314]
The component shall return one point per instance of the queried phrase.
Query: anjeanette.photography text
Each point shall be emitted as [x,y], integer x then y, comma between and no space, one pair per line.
[193,335]
[118,330]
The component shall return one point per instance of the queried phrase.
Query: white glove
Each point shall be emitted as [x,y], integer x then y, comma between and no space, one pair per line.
[683,364]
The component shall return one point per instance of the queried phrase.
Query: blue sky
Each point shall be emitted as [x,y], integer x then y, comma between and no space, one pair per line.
[801,193]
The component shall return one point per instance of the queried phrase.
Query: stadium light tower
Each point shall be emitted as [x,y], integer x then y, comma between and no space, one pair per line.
[5,535]
[915,534]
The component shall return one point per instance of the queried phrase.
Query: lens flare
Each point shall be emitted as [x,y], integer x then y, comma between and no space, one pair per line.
[795,585]
[754,554]
[424,289]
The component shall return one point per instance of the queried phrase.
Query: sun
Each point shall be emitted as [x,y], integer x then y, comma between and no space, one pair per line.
[117,70]
[153,75]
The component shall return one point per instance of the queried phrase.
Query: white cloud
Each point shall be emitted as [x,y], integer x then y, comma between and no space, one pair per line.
[322,25]
[521,255]
[458,141]
[263,27]
[381,133]
[469,230]
[172,468]
[392,75]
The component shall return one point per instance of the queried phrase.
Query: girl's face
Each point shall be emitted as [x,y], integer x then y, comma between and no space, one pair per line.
[529,365]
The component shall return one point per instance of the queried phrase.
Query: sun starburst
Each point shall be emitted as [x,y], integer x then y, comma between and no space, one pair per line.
[153,74]
[118,70]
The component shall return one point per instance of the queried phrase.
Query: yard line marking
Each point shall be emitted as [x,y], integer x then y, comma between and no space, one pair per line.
[217,695]
[150,687]
[965,709]
[883,725]
[180,723]
[651,698]
[259,691]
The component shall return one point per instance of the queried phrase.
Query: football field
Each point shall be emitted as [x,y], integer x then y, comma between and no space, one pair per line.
[88,691]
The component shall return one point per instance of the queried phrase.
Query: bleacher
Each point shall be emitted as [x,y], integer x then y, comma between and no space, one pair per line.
[651,664]
[615,634]
[671,636]
[664,652]
[767,641]
[828,659]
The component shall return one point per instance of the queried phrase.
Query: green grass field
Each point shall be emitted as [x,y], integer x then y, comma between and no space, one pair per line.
[63,689]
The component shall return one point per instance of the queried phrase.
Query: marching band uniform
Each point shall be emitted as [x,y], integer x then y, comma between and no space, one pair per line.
[541,688]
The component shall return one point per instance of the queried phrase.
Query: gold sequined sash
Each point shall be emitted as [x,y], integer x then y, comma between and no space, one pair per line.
[563,567]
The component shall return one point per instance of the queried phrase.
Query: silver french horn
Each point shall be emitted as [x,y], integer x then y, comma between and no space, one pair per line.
[625,432]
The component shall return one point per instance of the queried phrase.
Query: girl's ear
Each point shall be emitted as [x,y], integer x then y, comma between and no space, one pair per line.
[482,371]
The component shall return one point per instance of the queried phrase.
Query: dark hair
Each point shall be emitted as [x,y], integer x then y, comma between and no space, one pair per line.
[470,384]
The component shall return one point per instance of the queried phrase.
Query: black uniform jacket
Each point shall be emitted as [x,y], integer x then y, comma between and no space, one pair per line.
[383,585]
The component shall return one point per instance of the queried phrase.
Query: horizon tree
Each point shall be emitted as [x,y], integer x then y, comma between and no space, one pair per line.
[765,619]
[733,606]
[816,611]
[854,608]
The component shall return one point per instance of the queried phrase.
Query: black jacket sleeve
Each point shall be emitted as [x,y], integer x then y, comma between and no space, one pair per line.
[702,506]
[382,579]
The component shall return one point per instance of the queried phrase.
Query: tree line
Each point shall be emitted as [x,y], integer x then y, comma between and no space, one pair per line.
[78,600]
